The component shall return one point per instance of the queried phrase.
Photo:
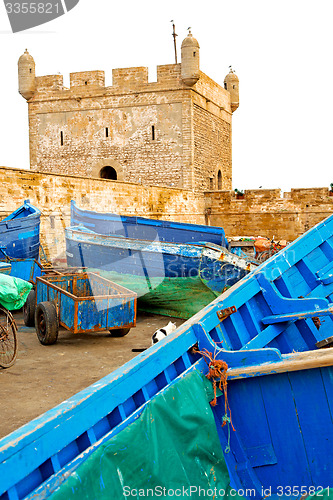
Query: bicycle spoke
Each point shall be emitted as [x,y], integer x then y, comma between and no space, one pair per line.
[8,340]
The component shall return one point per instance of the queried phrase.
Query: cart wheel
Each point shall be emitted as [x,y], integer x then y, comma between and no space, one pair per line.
[46,321]
[29,309]
[119,332]
[8,339]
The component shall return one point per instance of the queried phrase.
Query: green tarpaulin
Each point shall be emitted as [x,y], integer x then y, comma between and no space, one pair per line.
[176,297]
[13,292]
[172,449]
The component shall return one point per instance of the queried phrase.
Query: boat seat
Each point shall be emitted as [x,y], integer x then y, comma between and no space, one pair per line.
[234,358]
[291,309]
[328,342]
[285,312]
[325,275]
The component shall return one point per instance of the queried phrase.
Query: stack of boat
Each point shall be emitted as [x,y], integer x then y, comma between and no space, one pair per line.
[19,240]
[19,232]
[175,268]
[273,429]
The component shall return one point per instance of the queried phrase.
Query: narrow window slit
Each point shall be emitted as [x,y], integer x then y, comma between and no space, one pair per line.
[153,132]
[61,138]
[106,132]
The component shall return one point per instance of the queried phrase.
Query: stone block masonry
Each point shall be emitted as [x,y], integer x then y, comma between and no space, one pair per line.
[265,212]
[164,132]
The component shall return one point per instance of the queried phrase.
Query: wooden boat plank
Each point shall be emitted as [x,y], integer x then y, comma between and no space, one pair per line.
[257,443]
[325,274]
[280,318]
[315,420]
[283,418]
[264,337]
[280,305]
[308,272]
[139,227]
[85,410]
[288,363]
[327,247]
[327,377]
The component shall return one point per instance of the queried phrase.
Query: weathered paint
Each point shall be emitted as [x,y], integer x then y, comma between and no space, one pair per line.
[87,302]
[54,444]
[19,232]
[215,265]
[284,432]
[141,228]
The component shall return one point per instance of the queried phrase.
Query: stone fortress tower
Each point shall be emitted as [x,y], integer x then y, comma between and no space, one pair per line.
[173,132]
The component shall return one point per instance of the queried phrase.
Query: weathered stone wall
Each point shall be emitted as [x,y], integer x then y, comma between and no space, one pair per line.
[261,212]
[213,154]
[162,133]
[52,195]
[82,141]
[265,212]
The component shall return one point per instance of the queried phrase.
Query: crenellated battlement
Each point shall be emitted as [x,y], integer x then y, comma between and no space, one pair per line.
[87,79]
[49,83]
[175,131]
[129,77]
[215,97]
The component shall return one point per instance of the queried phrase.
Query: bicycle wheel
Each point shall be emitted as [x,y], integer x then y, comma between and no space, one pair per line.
[8,338]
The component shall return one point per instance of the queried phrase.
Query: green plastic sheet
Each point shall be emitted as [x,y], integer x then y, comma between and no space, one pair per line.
[175,297]
[13,292]
[171,450]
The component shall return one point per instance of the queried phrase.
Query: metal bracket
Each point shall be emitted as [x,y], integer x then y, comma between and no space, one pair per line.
[224,313]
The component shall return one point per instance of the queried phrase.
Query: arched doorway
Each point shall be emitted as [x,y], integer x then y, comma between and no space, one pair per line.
[108,173]
[219,180]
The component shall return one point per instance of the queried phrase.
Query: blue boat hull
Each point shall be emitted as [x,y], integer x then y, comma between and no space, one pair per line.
[279,386]
[215,265]
[279,406]
[284,429]
[19,232]
[146,229]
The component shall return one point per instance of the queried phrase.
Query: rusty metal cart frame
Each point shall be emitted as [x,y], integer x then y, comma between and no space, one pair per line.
[82,302]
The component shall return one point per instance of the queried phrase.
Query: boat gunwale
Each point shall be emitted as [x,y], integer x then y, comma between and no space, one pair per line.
[157,222]
[160,247]
[15,215]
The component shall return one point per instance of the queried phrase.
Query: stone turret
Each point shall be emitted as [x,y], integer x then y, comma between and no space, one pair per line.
[26,75]
[190,67]
[231,83]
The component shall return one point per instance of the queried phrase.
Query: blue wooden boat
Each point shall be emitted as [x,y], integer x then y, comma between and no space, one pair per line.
[271,428]
[175,279]
[19,232]
[142,228]
[279,406]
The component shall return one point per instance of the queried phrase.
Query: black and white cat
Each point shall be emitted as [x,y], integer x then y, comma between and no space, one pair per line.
[158,335]
[163,332]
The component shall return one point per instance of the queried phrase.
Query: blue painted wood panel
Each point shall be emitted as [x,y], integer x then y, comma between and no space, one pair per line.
[146,229]
[19,232]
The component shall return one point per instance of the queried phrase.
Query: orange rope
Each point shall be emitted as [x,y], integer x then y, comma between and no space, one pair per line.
[217,373]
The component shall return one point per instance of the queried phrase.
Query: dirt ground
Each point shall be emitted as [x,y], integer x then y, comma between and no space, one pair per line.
[44,376]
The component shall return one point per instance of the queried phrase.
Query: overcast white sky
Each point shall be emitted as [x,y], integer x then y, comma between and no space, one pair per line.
[281,51]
